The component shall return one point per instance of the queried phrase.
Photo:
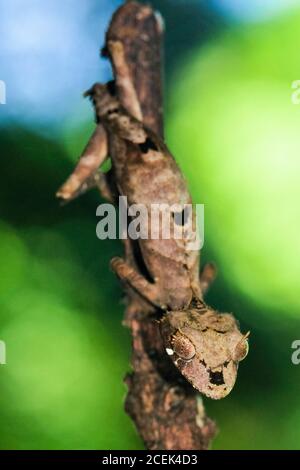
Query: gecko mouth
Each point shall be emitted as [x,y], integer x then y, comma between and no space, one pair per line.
[216,378]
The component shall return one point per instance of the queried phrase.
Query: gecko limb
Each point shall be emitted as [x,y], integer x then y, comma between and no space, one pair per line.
[136,281]
[94,154]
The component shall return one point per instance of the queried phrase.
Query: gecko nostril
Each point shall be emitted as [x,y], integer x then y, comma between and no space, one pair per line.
[216,378]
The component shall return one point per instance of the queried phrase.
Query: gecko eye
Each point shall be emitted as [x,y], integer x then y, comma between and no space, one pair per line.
[241,350]
[183,347]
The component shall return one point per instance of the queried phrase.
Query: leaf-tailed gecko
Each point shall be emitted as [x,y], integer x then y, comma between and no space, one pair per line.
[206,346]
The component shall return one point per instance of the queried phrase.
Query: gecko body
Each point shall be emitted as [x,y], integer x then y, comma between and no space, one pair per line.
[206,346]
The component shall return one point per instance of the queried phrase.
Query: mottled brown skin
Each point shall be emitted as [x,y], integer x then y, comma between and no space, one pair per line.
[206,347]
[146,173]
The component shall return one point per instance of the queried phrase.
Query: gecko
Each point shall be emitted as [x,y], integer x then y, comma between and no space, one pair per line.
[206,346]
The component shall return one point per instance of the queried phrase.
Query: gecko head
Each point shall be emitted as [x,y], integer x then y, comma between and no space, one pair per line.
[206,347]
[103,98]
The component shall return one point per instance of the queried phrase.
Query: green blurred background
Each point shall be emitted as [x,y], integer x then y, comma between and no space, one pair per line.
[234,129]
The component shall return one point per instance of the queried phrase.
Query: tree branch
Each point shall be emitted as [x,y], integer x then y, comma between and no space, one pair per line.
[167,411]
